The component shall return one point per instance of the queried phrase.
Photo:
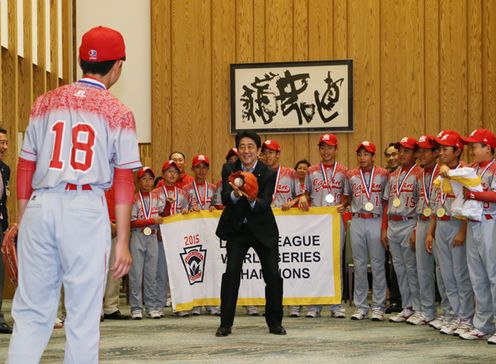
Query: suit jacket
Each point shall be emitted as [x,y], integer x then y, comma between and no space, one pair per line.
[4,219]
[259,219]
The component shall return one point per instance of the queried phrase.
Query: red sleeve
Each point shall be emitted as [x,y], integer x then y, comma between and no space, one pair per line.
[110,196]
[142,223]
[123,186]
[25,172]
[384,216]
[485,196]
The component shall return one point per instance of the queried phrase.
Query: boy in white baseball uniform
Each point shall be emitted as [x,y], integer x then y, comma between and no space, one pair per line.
[79,137]
[325,183]
[401,194]
[481,247]
[449,245]
[145,220]
[367,183]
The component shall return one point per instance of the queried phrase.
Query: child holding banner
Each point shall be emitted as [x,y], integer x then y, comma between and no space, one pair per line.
[367,183]
[200,193]
[325,183]
[144,247]
[176,202]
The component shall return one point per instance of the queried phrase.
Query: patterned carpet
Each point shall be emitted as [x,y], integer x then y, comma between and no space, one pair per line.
[325,340]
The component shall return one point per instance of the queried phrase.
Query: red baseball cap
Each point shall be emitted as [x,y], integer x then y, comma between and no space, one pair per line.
[168,164]
[368,146]
[102,44]
[481,136]
[231,152]
[272,145]
[200,158]
[143,170]
[449,138]
[329,139]
[426,142]
[407,142]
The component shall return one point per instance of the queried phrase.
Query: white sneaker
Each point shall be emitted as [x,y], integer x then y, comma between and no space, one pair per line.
[312,314]
[251,310]
[474,334]
[294,312]
[196,311]
[463,327]
[438,322]
[136,315]
[450,327]
[214,311]
[402,316]
[492,340]
[417,319]
[183,313]
[153,314]
[377,315]
[360,315]
[339,313]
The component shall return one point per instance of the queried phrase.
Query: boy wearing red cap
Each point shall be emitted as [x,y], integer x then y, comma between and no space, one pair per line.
[449,246]
[176,201]
[78,140]
[325,183]
[366,188]
[145,220]
[428,151]
[200,194]
[481,250]
[401,194]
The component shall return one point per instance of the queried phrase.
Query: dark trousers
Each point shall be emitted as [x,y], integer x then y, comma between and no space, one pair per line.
[236,251]
[392,282]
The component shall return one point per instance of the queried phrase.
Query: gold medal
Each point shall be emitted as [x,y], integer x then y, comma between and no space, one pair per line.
[396,202]
[427,212]
[329,198]
[369,206]
[440,212]
[147,231]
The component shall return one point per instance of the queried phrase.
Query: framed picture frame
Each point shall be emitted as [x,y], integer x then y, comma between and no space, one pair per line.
[292,97]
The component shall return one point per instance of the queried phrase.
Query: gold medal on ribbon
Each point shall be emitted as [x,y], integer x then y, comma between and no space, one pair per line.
[147,231]
[369,206]
[396,202]
[440,212]
[427,212]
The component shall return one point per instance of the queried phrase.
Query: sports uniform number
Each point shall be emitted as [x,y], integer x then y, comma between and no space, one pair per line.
[410,202]
[84,147]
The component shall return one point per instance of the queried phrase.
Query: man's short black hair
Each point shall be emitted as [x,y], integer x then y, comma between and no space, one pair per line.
[97,68]
[303,161]
[170,155]
[3,131]
[389,146]
[248,134]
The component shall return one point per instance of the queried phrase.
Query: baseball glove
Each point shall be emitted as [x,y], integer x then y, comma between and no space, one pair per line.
[249,184]
[9,253]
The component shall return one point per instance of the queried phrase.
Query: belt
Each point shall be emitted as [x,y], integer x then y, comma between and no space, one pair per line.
[486,217]
[400,218]
[445,218]
[73,187]
[424,218]
[366,216]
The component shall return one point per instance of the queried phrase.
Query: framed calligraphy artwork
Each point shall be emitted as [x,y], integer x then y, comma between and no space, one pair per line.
[292,97]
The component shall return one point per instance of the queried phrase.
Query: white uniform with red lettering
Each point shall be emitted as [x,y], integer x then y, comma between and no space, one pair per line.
[481,255]
[320,182]
[401,192]
[200,195]
[366,190]
[77,134]
[286,184]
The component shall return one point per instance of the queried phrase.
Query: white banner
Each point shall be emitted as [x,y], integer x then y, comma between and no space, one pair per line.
[309,259]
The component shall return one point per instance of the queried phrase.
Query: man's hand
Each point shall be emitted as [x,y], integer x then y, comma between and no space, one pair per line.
[429,239]
[413,241]
[158,220]
[195,208]
[303,203]
[123,260]
[384,239]
[459,239]
[341,208]
[212,208]
[443,171]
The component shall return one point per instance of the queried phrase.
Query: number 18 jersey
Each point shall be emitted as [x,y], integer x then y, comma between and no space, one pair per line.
[77,134]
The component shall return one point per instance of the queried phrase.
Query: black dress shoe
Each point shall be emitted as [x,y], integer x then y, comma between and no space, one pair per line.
[223,331]
[277,330]
[393,307]
[117,315]
[5,329]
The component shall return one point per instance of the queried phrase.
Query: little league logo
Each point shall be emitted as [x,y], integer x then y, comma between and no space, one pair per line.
[193,259]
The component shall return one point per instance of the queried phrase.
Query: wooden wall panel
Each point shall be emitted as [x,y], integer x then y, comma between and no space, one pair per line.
[419,66]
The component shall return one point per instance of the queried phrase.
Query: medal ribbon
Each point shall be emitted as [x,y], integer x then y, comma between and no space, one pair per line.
[197,194]
[367,187]
[324,175]
[427,193]
[173,208]
[485,169]
[89,81]
[399,185]
[146,211]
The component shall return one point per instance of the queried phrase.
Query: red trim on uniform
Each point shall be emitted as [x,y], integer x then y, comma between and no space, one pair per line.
[384,215]
[485,196]
[25,172]
[123,186]
[400,218]
[142,223]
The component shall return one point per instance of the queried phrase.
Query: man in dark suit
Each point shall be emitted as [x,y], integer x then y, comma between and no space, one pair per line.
[249,222]
[4,218]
